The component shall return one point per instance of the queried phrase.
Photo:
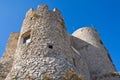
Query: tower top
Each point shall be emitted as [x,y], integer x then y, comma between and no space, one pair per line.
[85,28]
[42,14]
[42,8]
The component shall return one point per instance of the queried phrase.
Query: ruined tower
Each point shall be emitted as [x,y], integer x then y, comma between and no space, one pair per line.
[87,41]
[44,49]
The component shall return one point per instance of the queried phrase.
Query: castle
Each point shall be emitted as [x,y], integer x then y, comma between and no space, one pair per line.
[43,50]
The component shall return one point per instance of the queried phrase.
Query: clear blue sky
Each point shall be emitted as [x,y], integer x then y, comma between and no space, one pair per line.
[103,14]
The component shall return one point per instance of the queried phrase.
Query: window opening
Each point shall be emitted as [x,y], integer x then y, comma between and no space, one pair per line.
[26,39]
[50,46]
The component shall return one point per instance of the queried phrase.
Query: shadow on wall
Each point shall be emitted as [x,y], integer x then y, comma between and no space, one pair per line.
[97,58]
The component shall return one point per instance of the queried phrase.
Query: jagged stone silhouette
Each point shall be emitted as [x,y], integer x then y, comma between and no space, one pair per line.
[43,50]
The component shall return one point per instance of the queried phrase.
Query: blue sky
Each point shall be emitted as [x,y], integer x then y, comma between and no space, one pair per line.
[104,15]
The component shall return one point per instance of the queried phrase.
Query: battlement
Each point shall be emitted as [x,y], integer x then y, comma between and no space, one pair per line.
[42,9]
[43,50]
[42,15]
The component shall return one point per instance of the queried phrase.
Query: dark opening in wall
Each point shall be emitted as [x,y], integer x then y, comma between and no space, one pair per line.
[26,37]
[50,46]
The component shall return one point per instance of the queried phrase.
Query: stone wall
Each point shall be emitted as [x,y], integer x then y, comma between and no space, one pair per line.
[8,57]
[87,41]
[43,50]
[48,54]
[108,76]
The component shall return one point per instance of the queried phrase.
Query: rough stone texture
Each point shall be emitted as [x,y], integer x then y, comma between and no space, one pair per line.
[45,51]
[87,41]
[108,76]
[8,57]
[49,51]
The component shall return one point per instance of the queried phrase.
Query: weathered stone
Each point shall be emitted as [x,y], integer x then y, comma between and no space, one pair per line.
[45,51]
[7,60]
[87,41]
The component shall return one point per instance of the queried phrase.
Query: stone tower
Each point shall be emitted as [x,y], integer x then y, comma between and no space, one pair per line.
[8,57]
[87,41]
[44,49]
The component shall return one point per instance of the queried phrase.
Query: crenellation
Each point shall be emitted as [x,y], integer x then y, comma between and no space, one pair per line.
[43,50]
[42,8]
[56,11]
[29,12]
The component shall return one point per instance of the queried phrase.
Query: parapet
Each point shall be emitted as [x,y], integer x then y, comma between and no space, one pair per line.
[56,11]
[41,15]
[42,8]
